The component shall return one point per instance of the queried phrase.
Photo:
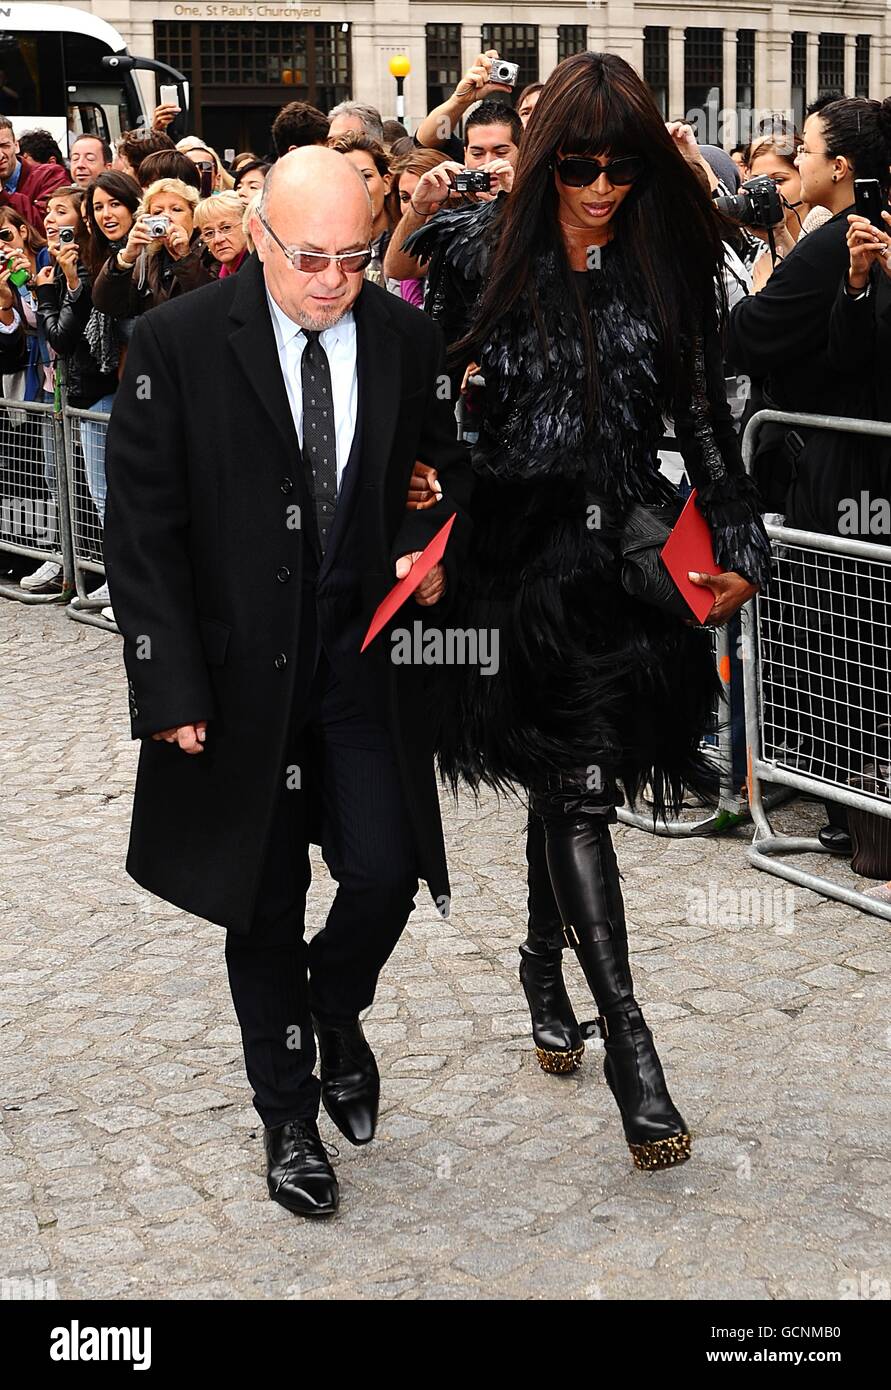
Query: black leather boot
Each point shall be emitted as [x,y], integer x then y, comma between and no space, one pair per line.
[558,1040]
[585,877]
[351,1084]
[298,1174]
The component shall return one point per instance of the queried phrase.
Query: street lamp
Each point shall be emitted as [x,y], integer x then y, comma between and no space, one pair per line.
[400,67]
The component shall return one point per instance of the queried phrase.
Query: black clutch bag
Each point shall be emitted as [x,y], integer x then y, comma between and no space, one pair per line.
[644,575]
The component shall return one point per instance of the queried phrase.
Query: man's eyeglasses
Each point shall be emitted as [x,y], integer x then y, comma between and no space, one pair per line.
[577,172]
[313,262]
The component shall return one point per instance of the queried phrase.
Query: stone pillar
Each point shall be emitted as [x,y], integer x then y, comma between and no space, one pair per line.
[547,51]
[850,51]
[813,58]
[676,104]
[727,131]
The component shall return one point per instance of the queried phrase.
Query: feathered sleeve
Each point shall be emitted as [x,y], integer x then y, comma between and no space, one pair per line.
[710,448]
[456,244]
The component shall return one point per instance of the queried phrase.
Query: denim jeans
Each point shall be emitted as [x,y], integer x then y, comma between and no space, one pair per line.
[92,441]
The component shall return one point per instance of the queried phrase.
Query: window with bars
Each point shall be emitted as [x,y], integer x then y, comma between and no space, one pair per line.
[516,43]
[861,65]
[703,75]
[571,38]
[655,64]
[799,77]
[313,59]
[443,62]
[831,65]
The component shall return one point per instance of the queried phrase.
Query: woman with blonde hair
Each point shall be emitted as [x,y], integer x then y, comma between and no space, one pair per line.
[163,255]
[207,161]
[220,219]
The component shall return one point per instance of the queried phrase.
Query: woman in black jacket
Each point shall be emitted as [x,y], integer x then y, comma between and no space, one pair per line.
[81,337]
[830,647]
[597,316]
[76,332]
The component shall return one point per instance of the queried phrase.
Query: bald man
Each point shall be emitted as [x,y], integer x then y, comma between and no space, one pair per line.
[259,458]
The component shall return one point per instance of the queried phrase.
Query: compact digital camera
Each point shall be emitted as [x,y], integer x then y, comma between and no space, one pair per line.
[66,236]
[472,181]
[501,71]
[157,226]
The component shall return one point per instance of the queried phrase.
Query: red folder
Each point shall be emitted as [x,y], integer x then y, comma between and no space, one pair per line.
[689,547]
[405,587]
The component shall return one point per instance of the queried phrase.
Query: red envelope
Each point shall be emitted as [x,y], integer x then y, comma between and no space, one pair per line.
[404,588]
[689,547]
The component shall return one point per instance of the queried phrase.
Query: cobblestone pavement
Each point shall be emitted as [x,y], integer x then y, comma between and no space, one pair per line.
[130,1160]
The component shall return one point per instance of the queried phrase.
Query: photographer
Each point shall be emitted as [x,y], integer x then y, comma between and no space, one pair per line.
[491,144]
[28,455]
[437,129]
[775,157]
[407,171]
[789,335]
[162,257]
[81,337]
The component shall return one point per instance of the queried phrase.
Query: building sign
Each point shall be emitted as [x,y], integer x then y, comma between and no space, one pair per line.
[247,11]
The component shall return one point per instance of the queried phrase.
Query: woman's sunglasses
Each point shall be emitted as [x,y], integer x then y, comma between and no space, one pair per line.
[7,234]
[577,172]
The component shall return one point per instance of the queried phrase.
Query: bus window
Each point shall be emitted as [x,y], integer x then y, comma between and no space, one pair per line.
[30,74]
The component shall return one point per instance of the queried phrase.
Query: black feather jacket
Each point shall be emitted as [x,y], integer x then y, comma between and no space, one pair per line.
[587,676]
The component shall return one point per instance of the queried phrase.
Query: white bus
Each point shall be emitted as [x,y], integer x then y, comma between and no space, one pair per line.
[51,74]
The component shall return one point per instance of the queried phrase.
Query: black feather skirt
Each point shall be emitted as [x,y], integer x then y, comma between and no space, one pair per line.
[581,675]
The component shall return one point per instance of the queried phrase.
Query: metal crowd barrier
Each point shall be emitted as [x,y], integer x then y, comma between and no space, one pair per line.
[34,512]
[817,658]
[85,432]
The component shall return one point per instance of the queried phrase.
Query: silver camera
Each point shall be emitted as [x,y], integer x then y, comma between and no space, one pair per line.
[157,226]
[501,71]
[66,236]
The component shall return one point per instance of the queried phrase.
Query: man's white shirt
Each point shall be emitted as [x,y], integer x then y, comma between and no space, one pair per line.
[339,343]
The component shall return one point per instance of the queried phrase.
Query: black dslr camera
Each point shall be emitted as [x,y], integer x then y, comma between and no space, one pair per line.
[472,181]
[757,204]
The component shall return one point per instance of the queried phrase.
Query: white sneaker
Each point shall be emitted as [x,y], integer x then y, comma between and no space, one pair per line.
[108,615]
[44,580]
[99,598]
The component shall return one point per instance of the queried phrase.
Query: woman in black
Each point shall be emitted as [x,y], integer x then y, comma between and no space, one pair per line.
[828,656]
[597,313]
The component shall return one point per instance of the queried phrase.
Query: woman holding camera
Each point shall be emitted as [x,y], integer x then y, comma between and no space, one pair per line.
[787,334]
[597,315]
[162,257]
[26,368]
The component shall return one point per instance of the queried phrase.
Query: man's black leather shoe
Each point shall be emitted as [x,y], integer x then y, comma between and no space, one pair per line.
[351,1084]
[298,1173]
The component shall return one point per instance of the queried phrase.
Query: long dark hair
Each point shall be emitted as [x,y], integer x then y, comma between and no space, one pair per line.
[593,103]
[859,128]
[127,191]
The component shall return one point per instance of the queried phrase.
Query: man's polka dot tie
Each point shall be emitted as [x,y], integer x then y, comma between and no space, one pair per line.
[319,437]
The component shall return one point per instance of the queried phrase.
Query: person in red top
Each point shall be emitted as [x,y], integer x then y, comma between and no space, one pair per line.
[25,185]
